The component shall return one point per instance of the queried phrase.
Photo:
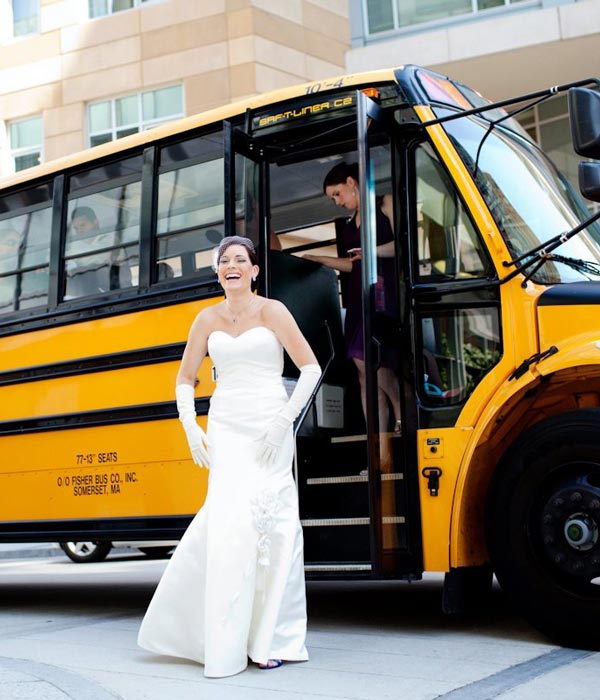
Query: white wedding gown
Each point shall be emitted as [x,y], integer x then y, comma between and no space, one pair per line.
[234,587]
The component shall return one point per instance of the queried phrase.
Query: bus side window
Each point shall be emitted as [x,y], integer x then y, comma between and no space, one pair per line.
[460,346]
[190,208]
[25,248]
[448,245]
[103,229]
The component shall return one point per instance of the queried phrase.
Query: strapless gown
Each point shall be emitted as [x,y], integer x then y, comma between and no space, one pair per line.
[234,587]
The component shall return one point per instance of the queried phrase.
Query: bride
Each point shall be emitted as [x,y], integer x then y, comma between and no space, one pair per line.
[234,587]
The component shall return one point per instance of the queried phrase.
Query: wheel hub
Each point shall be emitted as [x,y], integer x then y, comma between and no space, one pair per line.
[571,530]
[581,532]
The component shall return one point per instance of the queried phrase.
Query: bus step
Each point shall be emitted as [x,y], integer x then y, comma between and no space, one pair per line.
[354,479]
[348,438]
[345,522]
[331,567]
[360,438]
[337,545]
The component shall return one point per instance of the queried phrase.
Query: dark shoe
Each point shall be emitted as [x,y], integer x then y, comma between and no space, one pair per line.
[271,663]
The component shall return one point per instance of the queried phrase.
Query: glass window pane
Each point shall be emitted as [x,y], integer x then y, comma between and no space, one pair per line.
[487,4]
[102,241]
[127,110]
[34,288]
[27,161]
[10,242]
[100,118]
[8,287]
[25,17]
[159,104]
[191,207]
[25,245]
[556,107]
[102,138]
[459,349]
[417,11]
[126,132]
[97,8]
[26,133]
[448,246]
[380,15]
[119,5]
[34,233]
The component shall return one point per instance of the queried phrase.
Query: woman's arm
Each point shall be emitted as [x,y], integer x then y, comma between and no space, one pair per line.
[277,317]
[282,323]
[195,350]
[340,264]
[383,250]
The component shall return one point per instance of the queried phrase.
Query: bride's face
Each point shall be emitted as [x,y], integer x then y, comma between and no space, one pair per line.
[235,270]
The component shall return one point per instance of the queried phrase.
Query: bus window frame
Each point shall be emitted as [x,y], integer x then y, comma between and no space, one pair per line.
[8,216]
[426,300]
[211,129]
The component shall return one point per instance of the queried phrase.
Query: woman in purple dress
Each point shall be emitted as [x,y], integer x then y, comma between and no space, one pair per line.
[341,185]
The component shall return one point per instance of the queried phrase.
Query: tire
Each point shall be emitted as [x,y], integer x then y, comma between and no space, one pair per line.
[155,552]
[543,527]
[86,552]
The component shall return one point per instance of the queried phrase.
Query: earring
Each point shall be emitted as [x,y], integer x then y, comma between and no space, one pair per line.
[254,279]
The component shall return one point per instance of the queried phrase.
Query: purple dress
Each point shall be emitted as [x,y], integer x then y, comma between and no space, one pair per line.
[385,291]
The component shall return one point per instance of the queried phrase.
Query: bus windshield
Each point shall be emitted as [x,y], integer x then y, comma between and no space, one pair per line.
[529,198]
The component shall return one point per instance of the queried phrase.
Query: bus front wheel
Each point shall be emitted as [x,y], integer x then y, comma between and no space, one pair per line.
[543,527]
[84,552]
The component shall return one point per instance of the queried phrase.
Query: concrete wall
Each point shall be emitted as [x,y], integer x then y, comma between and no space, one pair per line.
[500,53]
[219,50]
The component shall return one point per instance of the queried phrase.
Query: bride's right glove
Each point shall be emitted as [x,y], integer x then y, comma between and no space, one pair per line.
[275,435]
[196,437]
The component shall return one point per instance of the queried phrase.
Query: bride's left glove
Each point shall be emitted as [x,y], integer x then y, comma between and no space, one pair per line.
[275,435]
[196,437]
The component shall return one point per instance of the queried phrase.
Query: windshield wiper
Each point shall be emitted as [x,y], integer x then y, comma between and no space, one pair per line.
[586,267]
[542,253]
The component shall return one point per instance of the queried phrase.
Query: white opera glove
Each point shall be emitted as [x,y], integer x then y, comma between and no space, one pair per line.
[273,439]
[275,435]
[196,437]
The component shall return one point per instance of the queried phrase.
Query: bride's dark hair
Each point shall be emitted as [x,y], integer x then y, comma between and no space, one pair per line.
[228,241]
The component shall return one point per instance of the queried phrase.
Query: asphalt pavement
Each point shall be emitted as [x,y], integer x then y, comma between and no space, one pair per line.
[68,632]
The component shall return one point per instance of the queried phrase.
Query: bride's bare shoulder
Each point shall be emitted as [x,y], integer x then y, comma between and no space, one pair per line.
[207,320]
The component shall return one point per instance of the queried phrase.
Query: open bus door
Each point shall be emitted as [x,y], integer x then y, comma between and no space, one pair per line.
[356,498]
[395,534]
[246,193]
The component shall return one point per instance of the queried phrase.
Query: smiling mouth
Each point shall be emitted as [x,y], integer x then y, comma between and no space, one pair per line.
[232,277]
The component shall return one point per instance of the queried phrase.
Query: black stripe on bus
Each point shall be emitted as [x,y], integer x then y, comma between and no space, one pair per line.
[160,527]
[93,419]
[97,363]
[112,304]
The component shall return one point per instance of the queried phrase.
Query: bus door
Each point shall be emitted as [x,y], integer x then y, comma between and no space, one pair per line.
[247,193]
[395,537]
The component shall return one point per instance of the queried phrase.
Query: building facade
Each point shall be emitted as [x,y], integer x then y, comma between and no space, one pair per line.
[502,48]
[76,73]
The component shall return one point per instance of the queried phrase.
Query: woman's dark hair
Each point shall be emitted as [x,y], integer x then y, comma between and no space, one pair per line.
[86,212]
[340,173]
[228,241]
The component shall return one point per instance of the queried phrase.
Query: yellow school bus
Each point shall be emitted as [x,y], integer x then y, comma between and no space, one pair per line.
[492,344]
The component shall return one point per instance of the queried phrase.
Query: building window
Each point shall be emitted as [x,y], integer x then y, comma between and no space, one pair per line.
[389,15]
[548,124]
[26,17]
[26,142]
[113,119]
[100,8]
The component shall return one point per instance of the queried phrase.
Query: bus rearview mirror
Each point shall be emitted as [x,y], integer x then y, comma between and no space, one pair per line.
[584,117]
[589,180]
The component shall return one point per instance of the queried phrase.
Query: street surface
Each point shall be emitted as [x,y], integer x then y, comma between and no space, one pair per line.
[68,632]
